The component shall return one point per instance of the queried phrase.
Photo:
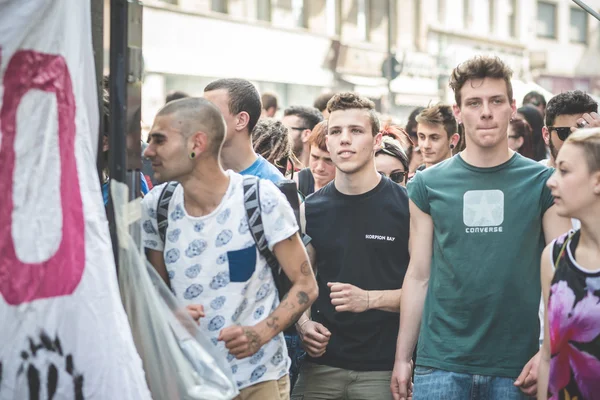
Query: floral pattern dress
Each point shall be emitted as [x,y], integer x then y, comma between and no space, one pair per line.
[574,325]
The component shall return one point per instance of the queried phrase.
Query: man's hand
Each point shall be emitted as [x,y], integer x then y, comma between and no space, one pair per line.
[401,385]
[196,311]
[527,381]
[315,338]
[241,341]
[346,297]
[591,120]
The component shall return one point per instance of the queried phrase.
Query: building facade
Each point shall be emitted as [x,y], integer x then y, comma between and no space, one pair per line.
[301,48]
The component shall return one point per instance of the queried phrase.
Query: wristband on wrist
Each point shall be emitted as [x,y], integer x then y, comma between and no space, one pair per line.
[305,321]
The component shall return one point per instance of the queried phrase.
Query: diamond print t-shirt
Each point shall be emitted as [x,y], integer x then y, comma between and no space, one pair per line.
[213,261]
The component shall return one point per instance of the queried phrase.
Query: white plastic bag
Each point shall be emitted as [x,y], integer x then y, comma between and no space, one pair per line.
[179,361]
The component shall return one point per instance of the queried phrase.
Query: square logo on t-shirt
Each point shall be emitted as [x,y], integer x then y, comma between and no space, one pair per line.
[483,208]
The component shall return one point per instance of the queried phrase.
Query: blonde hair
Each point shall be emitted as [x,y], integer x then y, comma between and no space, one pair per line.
[589,141]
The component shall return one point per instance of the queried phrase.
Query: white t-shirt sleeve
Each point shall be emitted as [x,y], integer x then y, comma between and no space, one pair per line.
[150,237]
[279,222]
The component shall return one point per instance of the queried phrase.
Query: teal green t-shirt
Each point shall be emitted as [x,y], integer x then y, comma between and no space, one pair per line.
[481,310]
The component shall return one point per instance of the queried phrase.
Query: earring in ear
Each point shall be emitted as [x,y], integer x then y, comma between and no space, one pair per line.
[451,147]
[192,155]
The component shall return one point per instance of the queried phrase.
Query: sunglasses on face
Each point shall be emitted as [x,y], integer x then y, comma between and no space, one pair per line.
[563,132]
[398,176]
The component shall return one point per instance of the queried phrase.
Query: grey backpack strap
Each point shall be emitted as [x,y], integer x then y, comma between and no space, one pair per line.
[162,212]
[252,206]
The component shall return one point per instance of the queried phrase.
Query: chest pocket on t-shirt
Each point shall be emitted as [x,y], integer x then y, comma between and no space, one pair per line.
[242,264]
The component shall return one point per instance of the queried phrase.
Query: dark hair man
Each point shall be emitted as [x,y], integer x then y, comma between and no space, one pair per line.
[239,102]
[360,268]
[537,100]
[300,122]
[321,103]
[269,105]
[176,95]
[209,257]
[478,228]
[567,112]
[437,133]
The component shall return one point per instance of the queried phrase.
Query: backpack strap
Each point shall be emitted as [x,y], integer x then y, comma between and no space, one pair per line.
[253,212]
[162,212]
[305,182]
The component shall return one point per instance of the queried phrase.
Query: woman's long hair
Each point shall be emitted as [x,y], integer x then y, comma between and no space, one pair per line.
[535,120]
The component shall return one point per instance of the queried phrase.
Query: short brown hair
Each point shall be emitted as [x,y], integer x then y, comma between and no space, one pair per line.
[440,114]
[352,101]
[480,67]
[317,136]
[268,100]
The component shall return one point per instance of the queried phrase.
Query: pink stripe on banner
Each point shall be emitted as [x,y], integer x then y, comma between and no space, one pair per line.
[60,275]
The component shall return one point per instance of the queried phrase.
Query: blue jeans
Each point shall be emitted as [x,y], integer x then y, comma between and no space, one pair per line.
[297,354]
[436,384]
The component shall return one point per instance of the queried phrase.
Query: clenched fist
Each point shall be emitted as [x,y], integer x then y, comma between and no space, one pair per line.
[241,341]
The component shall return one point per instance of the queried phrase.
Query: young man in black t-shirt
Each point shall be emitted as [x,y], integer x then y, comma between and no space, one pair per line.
[359,224]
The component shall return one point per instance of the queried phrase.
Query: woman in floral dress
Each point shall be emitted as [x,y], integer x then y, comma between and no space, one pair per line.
[570,363]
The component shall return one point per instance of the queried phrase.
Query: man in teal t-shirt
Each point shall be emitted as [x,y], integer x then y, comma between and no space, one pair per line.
[479,222]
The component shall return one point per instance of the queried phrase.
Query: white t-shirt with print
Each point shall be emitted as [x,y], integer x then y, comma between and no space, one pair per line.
[213,261]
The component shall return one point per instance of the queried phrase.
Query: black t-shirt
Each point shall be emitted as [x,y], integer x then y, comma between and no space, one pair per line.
[361,240]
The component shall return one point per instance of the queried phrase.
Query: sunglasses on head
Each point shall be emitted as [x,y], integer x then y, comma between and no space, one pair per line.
[563,132]
[398,176]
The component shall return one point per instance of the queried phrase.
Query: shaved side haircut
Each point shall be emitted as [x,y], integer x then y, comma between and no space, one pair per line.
[198,114]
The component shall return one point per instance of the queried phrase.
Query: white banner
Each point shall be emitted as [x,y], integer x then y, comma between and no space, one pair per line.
[63,331]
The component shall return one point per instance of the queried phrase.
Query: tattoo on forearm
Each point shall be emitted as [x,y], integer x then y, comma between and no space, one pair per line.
[287,305]
[295,317]
[253,340]
[272,322]
[302,298]
[305,268]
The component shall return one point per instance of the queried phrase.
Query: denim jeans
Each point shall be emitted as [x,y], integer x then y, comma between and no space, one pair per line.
[436,384]
[297,354]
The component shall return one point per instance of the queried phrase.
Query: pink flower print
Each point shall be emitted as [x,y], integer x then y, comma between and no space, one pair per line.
[573,324]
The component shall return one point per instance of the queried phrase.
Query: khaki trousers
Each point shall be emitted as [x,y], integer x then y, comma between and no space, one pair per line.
[268,390]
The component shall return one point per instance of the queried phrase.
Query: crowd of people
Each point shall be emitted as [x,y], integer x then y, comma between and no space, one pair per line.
[455,257]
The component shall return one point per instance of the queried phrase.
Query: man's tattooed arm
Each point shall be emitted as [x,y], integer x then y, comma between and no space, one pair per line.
[293,258]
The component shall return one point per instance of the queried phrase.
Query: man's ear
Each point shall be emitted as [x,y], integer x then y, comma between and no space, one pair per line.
[546,135]
[378,141]
[456,112]
[454,139]
[241,121]
[199,143]
[305,135]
